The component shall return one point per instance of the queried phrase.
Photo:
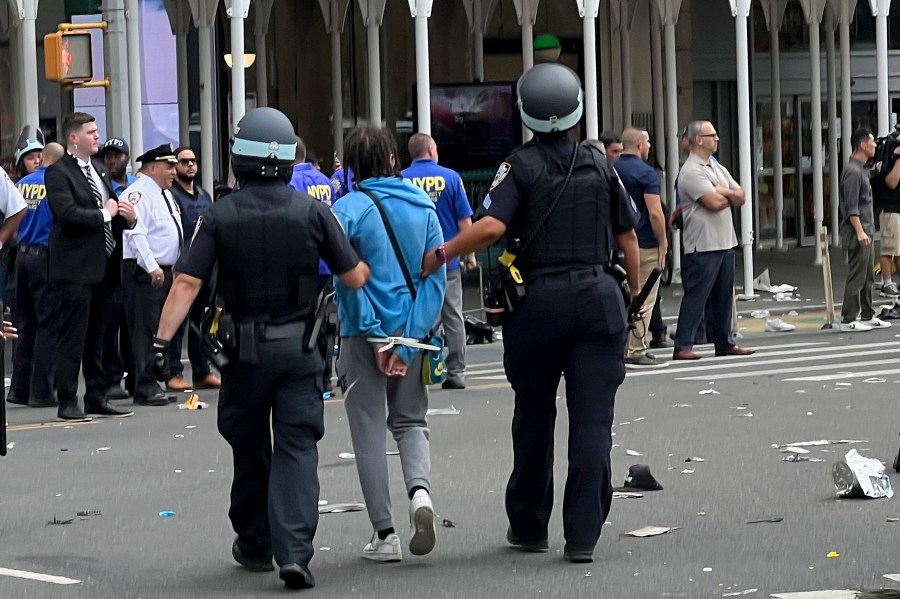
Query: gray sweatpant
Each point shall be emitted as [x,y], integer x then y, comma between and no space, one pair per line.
[454,327]
[368,393]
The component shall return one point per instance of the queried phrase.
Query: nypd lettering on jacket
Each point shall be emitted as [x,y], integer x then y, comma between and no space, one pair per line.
[34,194]
[433,186]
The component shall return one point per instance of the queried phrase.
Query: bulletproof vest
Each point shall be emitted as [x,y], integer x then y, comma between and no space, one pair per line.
[577,231]
[268,259]
[884,198]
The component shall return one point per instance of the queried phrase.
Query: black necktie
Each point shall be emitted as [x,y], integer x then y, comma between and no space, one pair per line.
[168,198]
[107,228]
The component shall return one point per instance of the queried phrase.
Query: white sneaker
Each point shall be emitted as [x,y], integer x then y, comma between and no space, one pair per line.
[387,550]
[877,323]
[421,519]
[856,326]
[776,325]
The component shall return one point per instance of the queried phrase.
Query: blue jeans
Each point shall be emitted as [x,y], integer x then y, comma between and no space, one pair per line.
[706,276]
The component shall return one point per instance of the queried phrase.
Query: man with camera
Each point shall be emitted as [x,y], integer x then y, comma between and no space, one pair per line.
[886,194]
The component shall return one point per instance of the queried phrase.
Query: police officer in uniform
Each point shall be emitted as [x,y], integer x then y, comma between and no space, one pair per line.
[267,239]
[572,320]
[149,252]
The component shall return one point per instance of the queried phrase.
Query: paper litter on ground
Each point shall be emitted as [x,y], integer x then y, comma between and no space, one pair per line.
[626,495]
[451,411]
[633,452]
[817,443]
[741,593]
[651,531]
[709,392]
[339,508]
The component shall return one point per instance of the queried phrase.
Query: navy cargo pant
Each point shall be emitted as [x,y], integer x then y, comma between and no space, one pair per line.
[571,324]
[275,492]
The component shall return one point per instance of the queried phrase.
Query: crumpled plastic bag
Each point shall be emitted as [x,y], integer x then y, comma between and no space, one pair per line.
[858,476]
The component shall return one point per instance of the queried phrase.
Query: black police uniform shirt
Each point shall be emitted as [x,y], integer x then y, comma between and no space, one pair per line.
[334,248]
[513,181]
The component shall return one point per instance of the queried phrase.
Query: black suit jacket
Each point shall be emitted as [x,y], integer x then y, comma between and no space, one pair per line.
[77,241]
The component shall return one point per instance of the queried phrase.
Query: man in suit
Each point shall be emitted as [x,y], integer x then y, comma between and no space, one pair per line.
[85,263]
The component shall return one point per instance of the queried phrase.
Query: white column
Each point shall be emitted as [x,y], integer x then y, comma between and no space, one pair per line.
[673,152]
[741,10]
[846,8]
[135,104]
[261,29]
[656,77]
[588,10]
[421,11]
[15,68]
[526,11]
[880,10]
[28,58]
[774,11]
[813,10]
[237,12]
[372,15]
[833,168]
[627,14]
[115,53]
[205,17]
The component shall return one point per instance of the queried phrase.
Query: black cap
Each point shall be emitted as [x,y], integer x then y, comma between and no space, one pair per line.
[638,478]
[116,143]
[162,153]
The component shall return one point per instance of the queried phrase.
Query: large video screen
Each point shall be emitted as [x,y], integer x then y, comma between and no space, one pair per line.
[475,125]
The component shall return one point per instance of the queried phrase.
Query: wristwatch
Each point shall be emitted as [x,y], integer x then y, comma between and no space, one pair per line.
[441,254]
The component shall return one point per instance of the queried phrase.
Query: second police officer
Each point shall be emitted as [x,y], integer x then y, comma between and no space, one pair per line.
[267,239]
[562,204]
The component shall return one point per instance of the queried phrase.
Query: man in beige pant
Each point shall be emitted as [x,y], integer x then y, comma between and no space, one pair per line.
[642,183]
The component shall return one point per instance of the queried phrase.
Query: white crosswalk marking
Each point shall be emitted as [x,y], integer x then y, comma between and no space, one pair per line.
[843,361]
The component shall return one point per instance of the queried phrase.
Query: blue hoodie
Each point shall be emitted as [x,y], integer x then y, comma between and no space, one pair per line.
[384,306]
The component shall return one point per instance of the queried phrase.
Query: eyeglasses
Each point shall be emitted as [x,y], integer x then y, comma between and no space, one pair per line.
[187,161]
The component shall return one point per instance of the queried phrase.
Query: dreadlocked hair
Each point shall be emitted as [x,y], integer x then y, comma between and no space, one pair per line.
[371,152]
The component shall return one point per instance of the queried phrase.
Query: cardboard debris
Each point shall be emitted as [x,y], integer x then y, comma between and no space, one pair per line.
[651,531]
[340,508]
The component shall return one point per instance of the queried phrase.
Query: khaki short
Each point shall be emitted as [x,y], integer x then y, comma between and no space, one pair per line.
[890,233]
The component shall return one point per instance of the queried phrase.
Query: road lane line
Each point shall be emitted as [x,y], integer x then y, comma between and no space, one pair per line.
[38,576]
[844,375]
[750,373]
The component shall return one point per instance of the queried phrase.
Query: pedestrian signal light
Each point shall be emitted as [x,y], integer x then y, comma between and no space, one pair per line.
[67,56]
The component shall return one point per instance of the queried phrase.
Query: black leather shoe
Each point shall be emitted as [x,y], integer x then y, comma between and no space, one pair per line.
[659,342]
[450,384]
[43,402]
[16,399]
[296,576]
[578,556]
[71,412]
[252,564]
[158,399]
[116,392]
[539,546]
[104,410]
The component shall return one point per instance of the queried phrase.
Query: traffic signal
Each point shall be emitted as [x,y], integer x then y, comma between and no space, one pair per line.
[67,56]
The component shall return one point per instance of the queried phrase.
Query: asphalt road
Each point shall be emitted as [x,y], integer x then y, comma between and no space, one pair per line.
[169,459]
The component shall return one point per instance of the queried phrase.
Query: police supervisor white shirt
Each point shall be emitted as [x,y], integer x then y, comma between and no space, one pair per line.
[156,239]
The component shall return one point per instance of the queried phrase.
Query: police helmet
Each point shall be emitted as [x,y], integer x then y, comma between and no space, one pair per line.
[26,146]
[264,145]
[550,98]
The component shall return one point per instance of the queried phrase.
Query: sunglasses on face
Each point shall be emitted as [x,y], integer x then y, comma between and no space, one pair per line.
[187,161]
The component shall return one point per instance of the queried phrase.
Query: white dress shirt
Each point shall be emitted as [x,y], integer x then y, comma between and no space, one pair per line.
[98,181]
[156,239]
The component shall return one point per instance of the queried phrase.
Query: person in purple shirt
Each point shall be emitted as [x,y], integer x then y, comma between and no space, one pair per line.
[309,180]
[445,189]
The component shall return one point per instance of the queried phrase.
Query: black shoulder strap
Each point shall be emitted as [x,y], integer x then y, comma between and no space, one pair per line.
[543,220]
[393,238]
